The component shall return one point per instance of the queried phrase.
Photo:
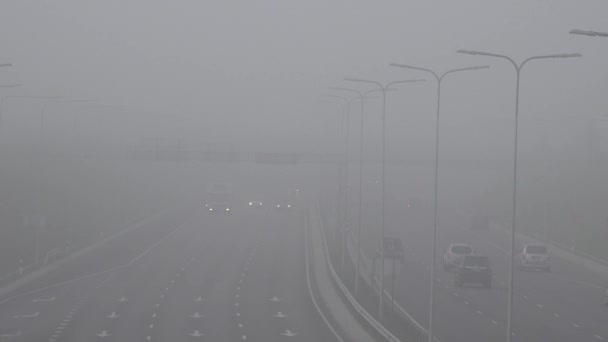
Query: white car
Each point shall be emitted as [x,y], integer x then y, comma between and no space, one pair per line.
[535,257]
[454,255]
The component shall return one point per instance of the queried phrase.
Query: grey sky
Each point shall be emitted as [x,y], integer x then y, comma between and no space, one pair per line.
[253,70]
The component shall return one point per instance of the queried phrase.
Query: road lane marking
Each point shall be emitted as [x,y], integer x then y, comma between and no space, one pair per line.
[598,337]
[288,333]
[238,314]
[525,297]
[104,334]
[35,314]
[112,315]
[576,325]
[123,299]
[494,322]
[196,333]
[467,303]
[44,300]
[479,312]
[151,326]
[556,315]
[280,315]
[199,299]
[197,315]
[310,293]
[539,305]
[17,334]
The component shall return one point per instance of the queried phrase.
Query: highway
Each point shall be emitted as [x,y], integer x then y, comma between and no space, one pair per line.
[192,277]
[564,305]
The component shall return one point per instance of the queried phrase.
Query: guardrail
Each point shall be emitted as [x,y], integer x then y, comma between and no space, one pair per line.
[379,328]
[414,330]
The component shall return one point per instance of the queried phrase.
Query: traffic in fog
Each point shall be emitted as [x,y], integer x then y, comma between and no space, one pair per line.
[303,171]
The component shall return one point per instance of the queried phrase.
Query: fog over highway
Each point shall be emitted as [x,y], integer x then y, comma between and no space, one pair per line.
[303,171]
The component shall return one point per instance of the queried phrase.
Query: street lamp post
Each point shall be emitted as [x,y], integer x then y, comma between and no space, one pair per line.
[518,68]
[439,79]
[357,266]
[382,88]
[347,131]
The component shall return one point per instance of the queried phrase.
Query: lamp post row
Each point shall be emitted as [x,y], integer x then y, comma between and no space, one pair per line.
[439,78]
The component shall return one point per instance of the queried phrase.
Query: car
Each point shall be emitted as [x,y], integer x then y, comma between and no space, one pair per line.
[256,204]
[473,269]
[454,255]
[284,206]
[218,208]
[534,257]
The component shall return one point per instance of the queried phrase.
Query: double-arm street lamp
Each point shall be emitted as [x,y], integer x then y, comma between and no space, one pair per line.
[518,68]
[383,89]
[439,79]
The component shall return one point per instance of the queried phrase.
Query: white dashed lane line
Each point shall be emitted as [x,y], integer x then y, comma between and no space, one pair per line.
[598,337]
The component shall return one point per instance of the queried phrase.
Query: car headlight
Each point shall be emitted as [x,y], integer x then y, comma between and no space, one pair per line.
[289,206]
[250,203]
[227,209]
[210,209]
[278,205]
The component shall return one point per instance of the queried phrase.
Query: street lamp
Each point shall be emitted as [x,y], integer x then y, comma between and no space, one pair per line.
[589,33]
[382,88]
[439,79]
[357,266]
[518,68]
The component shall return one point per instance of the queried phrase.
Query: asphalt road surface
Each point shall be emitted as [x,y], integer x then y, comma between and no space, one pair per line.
[198,277]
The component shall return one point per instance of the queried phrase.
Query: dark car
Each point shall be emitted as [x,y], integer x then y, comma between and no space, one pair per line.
[473,269]
[284,206]
[218,208]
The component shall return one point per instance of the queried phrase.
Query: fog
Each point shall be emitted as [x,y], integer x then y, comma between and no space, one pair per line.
[116,113]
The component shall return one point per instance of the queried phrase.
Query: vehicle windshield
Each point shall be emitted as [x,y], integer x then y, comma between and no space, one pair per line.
[536,250]
[476,261]
[460,249]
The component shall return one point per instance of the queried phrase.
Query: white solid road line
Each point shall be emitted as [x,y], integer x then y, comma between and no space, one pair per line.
[27,316]
[44,300]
